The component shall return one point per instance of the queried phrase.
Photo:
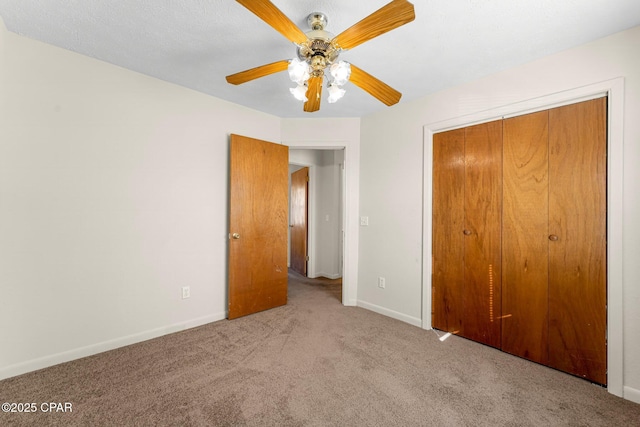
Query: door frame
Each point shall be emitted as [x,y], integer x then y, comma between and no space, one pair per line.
[614,89]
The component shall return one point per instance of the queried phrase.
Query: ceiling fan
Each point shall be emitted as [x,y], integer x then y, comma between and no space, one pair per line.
[318,50]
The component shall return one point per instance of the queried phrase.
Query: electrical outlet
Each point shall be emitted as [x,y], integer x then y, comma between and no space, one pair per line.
[381,282]
[364,221]
[186,292]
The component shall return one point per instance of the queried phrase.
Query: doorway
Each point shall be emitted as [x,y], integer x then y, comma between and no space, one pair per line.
[325,248]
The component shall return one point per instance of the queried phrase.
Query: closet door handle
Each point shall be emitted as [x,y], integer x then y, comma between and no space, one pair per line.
[553,237]
[466,232]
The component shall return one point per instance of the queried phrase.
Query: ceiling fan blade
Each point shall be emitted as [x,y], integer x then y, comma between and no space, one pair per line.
[375,87]
[393,15]
[254,73]
[313,94]
[270,14]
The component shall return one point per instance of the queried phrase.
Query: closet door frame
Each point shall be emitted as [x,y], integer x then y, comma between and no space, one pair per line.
[614,90]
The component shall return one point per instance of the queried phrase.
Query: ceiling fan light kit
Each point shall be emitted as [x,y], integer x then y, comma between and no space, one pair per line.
[300,92]
[340,71]
[299,71]
[335,93]
[318,52]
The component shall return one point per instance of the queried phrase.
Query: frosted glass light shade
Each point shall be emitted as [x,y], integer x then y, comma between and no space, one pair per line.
[299,92]
[340,71]
[298,71]
[335,93]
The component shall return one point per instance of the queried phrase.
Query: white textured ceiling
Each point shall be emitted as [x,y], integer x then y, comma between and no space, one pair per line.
[196,43]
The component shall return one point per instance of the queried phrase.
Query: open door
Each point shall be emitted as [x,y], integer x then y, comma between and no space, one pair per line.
[299,220]
[258,204]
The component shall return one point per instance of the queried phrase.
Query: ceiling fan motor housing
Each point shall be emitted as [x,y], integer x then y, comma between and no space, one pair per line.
[318,50]
[317,20]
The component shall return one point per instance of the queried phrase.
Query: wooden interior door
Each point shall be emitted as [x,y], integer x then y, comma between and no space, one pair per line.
[525,243]
[577,233]
[448,223]
[482,231]
[299,220]
[258,203]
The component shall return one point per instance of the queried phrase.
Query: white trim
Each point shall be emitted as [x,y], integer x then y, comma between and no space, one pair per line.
[90,350]
[332,276]
[415,321]
[533,105]
[614,89]
[632,394]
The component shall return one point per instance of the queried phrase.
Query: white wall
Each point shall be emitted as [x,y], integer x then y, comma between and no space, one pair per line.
[336,134]
[392,176]
[329,211]
[113,195]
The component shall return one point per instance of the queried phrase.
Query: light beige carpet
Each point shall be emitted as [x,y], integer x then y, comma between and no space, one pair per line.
[316,363]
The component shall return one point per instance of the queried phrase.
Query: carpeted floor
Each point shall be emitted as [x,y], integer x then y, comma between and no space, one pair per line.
[311,363]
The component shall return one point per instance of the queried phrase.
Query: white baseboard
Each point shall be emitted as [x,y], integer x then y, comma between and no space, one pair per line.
[350,303]
[325,275]
[632,394]
[415,321]
[90,350]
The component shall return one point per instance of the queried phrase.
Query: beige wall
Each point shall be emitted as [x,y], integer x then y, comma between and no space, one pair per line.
[113,195]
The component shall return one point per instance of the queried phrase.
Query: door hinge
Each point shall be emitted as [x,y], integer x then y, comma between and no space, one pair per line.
[307,178]
[306,258]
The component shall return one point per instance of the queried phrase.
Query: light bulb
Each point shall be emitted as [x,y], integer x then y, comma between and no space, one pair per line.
[299,92]
[298,71]
[340,71]
[335,93]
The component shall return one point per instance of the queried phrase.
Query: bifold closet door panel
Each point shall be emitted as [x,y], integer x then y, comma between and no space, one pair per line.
[577,248]
[525,250]
[448,221]
[482,231]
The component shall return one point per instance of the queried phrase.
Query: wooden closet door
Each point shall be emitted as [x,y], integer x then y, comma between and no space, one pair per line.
[482,232]
[577,227]
[525,243]
[448,219]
